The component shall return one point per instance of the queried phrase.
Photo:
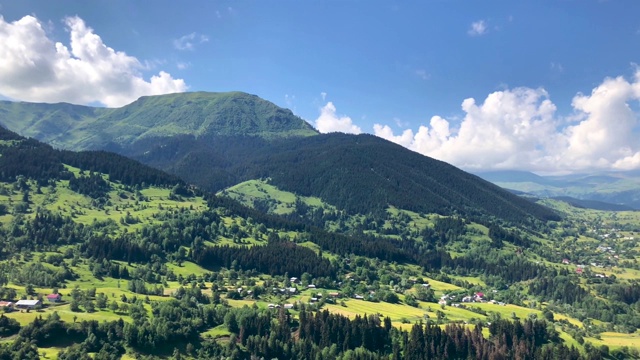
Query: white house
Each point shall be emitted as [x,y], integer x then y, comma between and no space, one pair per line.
[27,304]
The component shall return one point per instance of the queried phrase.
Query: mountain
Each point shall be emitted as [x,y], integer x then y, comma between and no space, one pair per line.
[199,114]
[613,187]
[593,204]
[101,254]
[221,139]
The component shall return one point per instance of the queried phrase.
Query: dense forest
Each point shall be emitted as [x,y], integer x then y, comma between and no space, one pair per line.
[361,174]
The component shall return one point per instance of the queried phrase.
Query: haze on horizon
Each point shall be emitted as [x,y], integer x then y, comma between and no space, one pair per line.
[544,88]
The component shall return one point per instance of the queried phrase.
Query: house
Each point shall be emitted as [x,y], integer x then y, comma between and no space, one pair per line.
[288,306]
[271,306]
[359,297]
[27,304]
[292,290]
[579,271]
[467,299]
[313,299]
[293,280]
[311,286]
[4,304]
[54,298]
[425,285]
[442,302]
[334,294]
[566,261]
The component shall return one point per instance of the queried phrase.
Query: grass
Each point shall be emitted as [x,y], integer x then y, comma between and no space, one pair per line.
[280,202]
[217,332]
[65,314]
[617,340]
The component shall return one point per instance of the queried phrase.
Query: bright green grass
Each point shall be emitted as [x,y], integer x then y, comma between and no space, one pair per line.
[283,202]
[617,340]
[65,314]
[187,268]
[217,332]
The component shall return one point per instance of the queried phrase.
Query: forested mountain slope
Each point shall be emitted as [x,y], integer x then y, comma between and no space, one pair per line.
[147,268]
[358,173]
[216,140]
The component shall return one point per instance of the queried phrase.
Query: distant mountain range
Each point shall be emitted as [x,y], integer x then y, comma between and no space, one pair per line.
[216,140]
[620,188]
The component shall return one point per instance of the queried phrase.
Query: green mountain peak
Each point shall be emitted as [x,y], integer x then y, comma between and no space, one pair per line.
[196,114]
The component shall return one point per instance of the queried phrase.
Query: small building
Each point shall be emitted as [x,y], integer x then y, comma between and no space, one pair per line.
[292,290]
[6,304]
[313,299]
[334,294]
[54,298]
[566,261]
[293,280]
[359,297]
[311,286]
[288,306]
[27,304]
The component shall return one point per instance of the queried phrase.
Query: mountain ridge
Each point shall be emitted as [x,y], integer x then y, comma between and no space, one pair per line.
[78,127]
[216,140]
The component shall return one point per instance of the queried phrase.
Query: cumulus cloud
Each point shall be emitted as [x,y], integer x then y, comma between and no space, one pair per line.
[34,68]
[519,129]
[189,42]
[478,28]
[329,122]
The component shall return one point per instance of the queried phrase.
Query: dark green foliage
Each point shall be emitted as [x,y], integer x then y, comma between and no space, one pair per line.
[8,326]
[361,174]
[275,259]
[35,160]
[499,234]
[93,185]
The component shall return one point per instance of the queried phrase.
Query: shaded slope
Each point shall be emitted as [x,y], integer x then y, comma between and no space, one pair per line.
[361,174]
[33,159]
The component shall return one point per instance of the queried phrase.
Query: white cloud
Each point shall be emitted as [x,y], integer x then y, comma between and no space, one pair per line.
[189,42]
[518,129]
[478,28]
[329,122]
[183,65]
[557,67]
[323,95]
[34,68]
[423,74]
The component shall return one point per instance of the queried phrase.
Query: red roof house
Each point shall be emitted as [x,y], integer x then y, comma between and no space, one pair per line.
[54,298]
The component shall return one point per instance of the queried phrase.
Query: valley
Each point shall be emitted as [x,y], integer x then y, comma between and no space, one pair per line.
[373,252]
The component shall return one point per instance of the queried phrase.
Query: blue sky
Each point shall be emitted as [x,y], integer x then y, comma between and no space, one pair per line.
[480,84]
